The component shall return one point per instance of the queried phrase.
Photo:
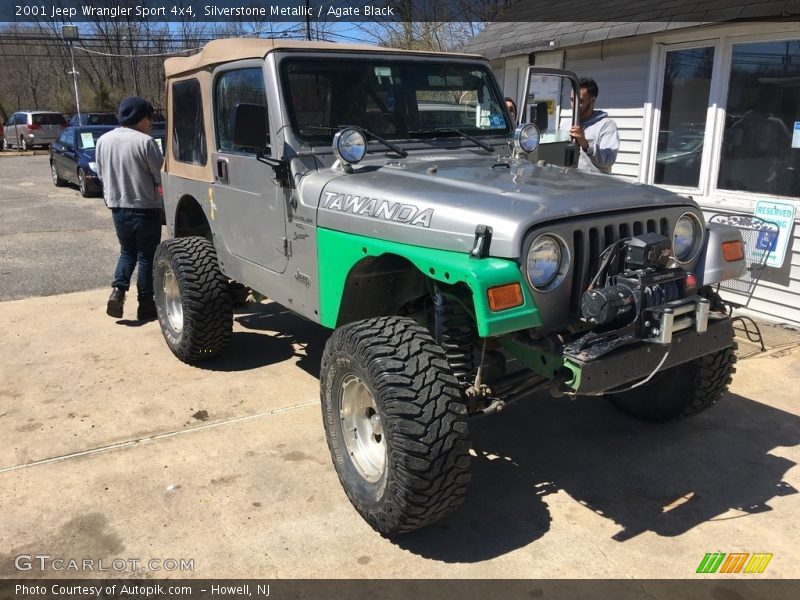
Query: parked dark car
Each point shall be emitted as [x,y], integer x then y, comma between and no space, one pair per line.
[158,133]
[93,118]
[72,158]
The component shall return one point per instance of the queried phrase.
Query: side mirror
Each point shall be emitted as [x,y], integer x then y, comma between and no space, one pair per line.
[249,126]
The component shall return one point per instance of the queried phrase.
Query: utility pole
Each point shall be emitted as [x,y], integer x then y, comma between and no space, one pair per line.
[70,34]
[308,21]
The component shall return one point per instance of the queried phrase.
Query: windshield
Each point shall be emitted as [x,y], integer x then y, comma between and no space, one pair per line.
[393,99]
[100,119]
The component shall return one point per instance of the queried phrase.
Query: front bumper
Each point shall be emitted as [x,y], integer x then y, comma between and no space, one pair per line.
[637,361]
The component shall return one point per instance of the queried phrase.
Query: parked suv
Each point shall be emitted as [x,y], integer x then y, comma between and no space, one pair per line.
[388,196]
[27,129]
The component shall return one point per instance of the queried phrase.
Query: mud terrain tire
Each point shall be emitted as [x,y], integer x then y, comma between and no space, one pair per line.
[682,391]
[407,400]
[193,298]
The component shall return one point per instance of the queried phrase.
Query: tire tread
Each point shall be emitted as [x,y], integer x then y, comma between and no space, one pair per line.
[424,410]
[207,303]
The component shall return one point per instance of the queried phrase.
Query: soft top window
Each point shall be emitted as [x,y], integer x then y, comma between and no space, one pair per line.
[188,126]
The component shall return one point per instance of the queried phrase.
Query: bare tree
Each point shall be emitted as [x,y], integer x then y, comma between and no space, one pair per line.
[120,58]
[433,26]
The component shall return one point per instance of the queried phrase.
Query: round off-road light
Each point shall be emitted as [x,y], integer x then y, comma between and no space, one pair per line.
[349,145]
[687,237]
[526,138]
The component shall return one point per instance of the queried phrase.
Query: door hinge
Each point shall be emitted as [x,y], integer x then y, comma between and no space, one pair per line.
[287,247]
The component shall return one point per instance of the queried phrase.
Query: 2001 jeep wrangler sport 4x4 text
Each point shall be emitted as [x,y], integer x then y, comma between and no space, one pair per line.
[460,260]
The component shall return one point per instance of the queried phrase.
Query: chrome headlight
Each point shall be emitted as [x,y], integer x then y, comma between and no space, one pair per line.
[547,262]
[349,145]
[687,237]
[93,166]
[526,138]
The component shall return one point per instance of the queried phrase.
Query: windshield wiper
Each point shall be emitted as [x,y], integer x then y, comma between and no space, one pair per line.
[463,134]
[393,147]
[386,143]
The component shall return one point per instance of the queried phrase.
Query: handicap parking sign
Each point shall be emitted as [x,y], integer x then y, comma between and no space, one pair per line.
[767,240]
[782,215]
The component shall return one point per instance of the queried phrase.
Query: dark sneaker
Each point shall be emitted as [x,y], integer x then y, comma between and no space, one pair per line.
[146,310]
[115,303]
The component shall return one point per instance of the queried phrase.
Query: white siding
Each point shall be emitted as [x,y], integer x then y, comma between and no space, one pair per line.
[621,69]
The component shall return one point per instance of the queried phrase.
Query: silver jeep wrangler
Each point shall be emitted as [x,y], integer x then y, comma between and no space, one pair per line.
[459,259]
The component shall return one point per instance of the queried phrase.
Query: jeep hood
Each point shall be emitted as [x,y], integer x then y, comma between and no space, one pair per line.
[438,201]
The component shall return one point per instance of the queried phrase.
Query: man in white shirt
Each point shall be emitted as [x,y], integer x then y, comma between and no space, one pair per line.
[596,133]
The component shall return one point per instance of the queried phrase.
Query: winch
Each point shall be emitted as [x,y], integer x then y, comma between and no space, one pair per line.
[644,298]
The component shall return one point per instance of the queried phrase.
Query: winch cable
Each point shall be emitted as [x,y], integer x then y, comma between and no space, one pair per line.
[608,255]
[644,381]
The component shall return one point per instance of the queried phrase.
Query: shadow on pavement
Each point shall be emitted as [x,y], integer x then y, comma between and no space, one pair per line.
[282,335]
[665,479]
[132,322]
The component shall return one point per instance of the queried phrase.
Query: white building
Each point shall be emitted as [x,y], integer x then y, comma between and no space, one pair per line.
[710,111]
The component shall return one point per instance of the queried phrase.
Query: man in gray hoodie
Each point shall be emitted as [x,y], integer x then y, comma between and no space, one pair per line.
[596,133]
[129,165]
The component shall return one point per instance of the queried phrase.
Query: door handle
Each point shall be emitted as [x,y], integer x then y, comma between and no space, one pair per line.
[222,170]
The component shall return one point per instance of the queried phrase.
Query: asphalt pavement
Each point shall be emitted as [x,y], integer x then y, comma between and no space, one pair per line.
[52,240]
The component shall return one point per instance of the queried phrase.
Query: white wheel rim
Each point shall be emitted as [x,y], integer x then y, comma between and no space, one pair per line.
[362,429]
[172,300]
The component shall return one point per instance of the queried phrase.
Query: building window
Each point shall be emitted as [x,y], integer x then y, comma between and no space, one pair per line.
[761,143]
[243,86]
[684,105]
[188,126]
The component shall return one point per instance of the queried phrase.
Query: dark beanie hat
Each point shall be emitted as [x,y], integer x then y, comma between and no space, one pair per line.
[132,110]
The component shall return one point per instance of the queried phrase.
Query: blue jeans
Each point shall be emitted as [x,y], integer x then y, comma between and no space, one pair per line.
[139,232]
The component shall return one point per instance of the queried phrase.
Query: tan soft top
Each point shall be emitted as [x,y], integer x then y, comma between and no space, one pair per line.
[221,51]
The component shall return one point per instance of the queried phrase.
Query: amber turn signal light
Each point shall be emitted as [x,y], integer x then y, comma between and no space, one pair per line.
[733,251]
[505,296]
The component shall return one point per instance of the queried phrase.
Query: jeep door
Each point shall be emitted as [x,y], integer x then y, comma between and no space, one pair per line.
[547,92]
[250,204]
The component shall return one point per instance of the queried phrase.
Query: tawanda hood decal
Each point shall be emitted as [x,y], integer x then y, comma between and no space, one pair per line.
[378,209]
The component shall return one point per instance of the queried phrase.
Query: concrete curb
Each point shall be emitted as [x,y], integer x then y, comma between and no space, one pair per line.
[27,153]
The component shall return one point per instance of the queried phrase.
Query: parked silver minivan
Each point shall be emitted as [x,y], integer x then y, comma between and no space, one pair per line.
[28,128]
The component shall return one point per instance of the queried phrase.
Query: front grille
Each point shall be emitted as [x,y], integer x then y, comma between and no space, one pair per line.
[589,242]
[587,236]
